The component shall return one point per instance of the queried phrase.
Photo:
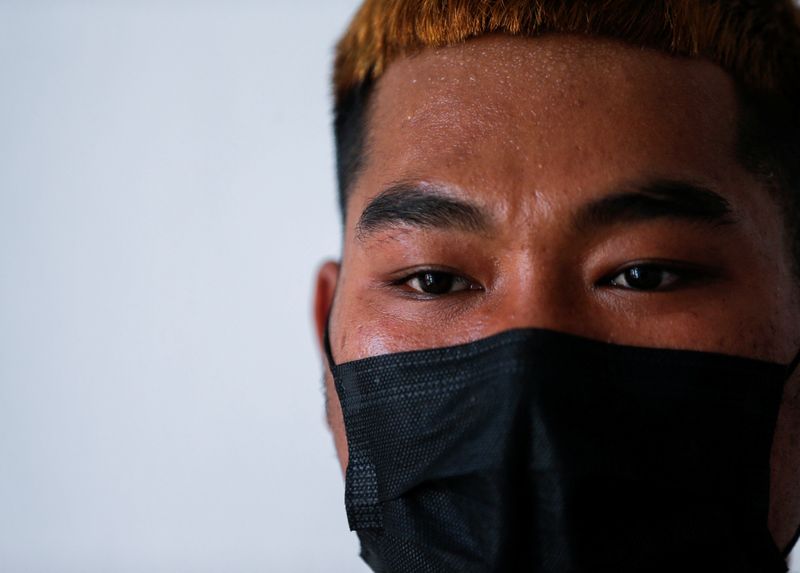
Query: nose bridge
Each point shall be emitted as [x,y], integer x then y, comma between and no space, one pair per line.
[540,289]
[540,279]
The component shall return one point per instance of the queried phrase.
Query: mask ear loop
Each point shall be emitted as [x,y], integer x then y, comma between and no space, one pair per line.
[794,539]
[793,365]
[360,500]
[792,542]
[326,342]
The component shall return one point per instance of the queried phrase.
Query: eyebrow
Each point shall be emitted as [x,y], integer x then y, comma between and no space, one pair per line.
[657,199]
[427,206]
[432,206]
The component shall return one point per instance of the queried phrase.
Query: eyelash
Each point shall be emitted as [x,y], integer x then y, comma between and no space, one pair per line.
[682,274]
[419,275]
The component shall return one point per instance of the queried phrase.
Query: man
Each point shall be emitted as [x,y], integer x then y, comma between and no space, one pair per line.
[564,327]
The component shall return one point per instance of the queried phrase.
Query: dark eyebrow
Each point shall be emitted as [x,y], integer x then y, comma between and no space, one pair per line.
[420,205]
[660,198]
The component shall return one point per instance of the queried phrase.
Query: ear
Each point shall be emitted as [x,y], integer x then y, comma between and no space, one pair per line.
[327,277]
[324,293]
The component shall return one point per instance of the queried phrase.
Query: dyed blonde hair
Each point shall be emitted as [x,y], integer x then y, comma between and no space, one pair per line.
[757,41]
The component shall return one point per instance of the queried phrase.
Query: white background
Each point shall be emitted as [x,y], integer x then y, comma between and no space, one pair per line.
[166,193]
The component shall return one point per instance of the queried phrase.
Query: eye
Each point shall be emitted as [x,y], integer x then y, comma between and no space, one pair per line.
[437,282]
[647,277]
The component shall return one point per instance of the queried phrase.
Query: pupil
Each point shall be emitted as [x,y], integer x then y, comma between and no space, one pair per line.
[644,278]
[436,283]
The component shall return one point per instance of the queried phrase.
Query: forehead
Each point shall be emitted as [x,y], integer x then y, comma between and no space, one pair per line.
[508,118]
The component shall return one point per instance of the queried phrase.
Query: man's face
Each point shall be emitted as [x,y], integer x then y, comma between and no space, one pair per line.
[575,184]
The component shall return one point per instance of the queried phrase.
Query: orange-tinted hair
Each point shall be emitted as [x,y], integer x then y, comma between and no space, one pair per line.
[757,41]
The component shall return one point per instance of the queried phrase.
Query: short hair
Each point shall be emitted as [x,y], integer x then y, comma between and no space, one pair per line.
[756,41]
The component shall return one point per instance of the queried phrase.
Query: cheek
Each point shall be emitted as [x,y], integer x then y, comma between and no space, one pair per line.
[374,332]
[731,324]
[769,317]
[369,322]
[363,333]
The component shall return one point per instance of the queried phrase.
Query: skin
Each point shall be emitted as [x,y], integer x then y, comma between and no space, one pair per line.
[531,129]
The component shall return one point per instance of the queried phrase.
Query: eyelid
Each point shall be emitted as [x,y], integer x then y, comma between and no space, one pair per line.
[687,273]
[405,275]
[675,277]
[410,272]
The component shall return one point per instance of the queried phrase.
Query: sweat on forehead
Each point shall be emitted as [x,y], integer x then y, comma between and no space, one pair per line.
[495,76]
[461,114]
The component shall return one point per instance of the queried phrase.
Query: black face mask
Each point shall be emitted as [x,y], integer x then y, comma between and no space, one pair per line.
[534,450]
